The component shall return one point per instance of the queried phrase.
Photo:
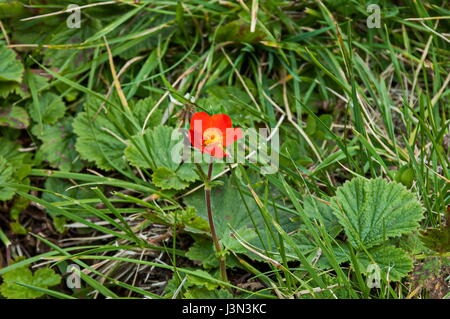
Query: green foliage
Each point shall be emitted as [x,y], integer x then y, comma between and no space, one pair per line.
[11,71]
[52,108]
[14,117]
[371,211]
[237,218]
[58,145]
[86,117]
[393,262]
[6,176]
[102,137]
[11,287]
[156,149]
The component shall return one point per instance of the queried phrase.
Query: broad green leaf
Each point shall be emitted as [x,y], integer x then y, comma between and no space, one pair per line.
[203,251]
[231,216]
[58,146]
[98,143]
[20,161]
[14,117]
[168,179]
[393,262]
[156,149]
[11,69]
[42,278]
[371,211]
[99,138]
[11,8]
[52,108]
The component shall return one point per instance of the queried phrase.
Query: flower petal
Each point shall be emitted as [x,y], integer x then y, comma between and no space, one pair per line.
[221,121]
[200,121]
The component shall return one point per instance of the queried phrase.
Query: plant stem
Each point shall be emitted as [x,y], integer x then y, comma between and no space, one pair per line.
[223,269]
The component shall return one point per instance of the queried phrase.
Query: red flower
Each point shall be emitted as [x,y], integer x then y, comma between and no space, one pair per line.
[212,134]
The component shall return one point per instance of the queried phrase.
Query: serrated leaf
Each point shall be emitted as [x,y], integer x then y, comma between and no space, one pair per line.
[154,149]
[168,179]
[100,140]
[371,211]
[52,108]
[58,146]
[393,262]
[203,251]
[11,69]
[7,88]
[97,143]
[156,145]
[14,117]
[42,278]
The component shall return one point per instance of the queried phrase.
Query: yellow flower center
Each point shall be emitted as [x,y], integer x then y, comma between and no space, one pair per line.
[212,136]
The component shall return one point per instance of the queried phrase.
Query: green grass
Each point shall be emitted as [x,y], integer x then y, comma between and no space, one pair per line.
[347,101]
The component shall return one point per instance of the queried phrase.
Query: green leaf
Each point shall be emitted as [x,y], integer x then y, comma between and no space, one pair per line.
[11,9]
[97,141]
[203,293]
[202,279]
[231,217]
[11,69]
[42,278]
[100,140]
[203,251]
[19,205]
[6,176]
[438,239]
[7,88]
[393,262]
[371,211]
[323,213]
[58,146]
[168,179]
[183,218]
[156,145]
[14,117]
[154,149]
[63,187]
[17,228]
[52,108]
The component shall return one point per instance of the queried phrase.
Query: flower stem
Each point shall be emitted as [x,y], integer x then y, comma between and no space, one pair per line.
[223,269]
